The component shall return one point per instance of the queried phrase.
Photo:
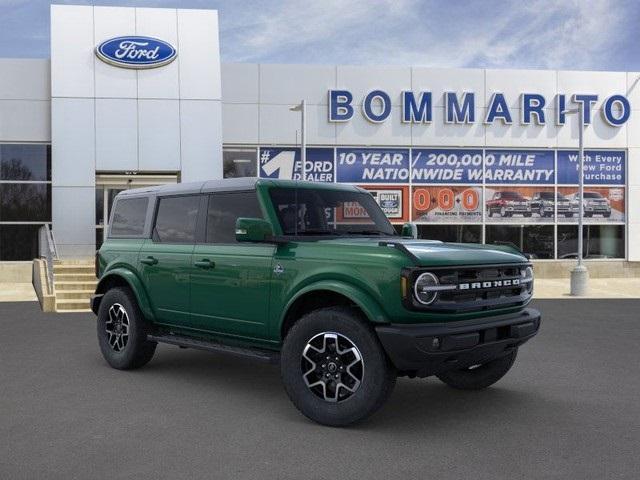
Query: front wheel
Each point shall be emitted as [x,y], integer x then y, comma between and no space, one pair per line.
[122,331]
[334,368]
[481,376]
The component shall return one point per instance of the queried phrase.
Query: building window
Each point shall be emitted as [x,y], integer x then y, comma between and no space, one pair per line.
[535,240]
[599,241]
[25,162]
[25,198]
[239,162]
[451,233]
[25,202]
[18,242]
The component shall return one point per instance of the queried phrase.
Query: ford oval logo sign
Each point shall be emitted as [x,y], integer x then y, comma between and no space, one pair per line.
[136,52]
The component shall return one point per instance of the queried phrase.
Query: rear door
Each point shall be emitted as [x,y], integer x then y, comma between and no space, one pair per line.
[230,281]
[165,259]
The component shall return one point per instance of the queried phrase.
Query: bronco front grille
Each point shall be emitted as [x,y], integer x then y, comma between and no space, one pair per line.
[478,288]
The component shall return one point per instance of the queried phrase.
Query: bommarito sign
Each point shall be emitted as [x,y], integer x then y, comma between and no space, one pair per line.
[417,107]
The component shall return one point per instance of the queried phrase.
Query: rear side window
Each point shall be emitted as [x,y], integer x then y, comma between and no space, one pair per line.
[224,209]
[176,219]
[128,217]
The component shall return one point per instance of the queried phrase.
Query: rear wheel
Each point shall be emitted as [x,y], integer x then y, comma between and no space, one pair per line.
[334,368]
[122,331]
[481,376]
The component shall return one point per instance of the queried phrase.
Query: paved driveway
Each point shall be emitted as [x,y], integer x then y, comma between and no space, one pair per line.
[570,409]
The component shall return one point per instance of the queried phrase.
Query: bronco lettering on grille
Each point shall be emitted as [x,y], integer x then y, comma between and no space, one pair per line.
[510,282]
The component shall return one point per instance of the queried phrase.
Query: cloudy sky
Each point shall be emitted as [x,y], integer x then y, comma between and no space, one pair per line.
[561,34]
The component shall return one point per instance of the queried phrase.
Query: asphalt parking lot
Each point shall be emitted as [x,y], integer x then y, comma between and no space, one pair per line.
[570,408]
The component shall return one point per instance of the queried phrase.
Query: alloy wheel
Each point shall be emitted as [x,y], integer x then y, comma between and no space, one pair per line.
[332,366]
[117,327]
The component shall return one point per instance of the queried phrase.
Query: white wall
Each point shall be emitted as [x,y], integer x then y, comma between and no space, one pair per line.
[105,118]
[25,101]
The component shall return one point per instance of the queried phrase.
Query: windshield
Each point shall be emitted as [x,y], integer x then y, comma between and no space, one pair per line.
[592,195]
[307,211]
[511,196]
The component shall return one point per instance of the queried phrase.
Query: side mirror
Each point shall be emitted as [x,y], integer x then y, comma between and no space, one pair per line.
[409,230]
[252,230]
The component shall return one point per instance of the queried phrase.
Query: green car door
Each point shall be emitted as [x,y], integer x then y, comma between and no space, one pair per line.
[230,281]
[165,259]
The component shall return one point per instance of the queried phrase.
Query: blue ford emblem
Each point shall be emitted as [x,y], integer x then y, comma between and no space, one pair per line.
[136,52]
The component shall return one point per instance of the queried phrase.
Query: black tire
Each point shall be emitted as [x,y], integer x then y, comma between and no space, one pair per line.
[479,377]
[134,351]
[527,215]
[378,376]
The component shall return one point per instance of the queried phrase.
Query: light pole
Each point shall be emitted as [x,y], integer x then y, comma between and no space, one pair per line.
[303,136]
[579,273]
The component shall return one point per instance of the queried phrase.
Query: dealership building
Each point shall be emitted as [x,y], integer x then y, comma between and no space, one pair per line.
[469,155]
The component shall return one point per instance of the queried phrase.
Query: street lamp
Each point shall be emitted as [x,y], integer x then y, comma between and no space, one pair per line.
[579,273]
[303,140]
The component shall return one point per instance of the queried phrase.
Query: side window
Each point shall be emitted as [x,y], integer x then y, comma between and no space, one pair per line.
[129,216]
[176,219]
[224,209]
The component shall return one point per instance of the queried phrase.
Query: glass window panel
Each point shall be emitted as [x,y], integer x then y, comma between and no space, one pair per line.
[451,233]
[535,240]
[25,202]
[129,217]
[99,237]
[224,209]
[176,219]
[18,242]
[99,206]
[599,241]
[25,162]
[239,162]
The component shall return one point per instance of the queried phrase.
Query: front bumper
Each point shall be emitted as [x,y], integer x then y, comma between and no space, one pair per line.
[427,349]
[518,209]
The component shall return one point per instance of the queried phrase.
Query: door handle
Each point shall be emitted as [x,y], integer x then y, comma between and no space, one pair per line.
[149,260]
[204,263]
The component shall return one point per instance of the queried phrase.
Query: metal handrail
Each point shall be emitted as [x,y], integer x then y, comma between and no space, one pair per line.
[50,252]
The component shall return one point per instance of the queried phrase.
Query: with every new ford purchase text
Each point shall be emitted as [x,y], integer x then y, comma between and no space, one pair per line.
[313,277]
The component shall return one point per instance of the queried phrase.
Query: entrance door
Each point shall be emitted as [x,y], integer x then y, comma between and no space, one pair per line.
[109,185]
[230,281]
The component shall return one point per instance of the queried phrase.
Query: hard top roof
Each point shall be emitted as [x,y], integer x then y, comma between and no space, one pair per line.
[228,184]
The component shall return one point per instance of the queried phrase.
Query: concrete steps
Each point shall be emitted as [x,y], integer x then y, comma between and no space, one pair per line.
[74,282]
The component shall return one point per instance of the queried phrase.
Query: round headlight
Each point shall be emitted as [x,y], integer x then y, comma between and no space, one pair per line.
[422,288]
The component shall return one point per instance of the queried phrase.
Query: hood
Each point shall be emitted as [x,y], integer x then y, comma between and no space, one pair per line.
[430,253]
[436,253]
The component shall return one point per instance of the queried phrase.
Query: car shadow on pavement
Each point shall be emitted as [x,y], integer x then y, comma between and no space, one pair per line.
[415,404]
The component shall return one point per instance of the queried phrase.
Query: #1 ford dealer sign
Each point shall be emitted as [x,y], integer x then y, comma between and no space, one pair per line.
[136,52]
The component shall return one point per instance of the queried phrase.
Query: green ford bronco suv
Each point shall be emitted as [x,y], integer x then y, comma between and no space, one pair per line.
[312,276]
